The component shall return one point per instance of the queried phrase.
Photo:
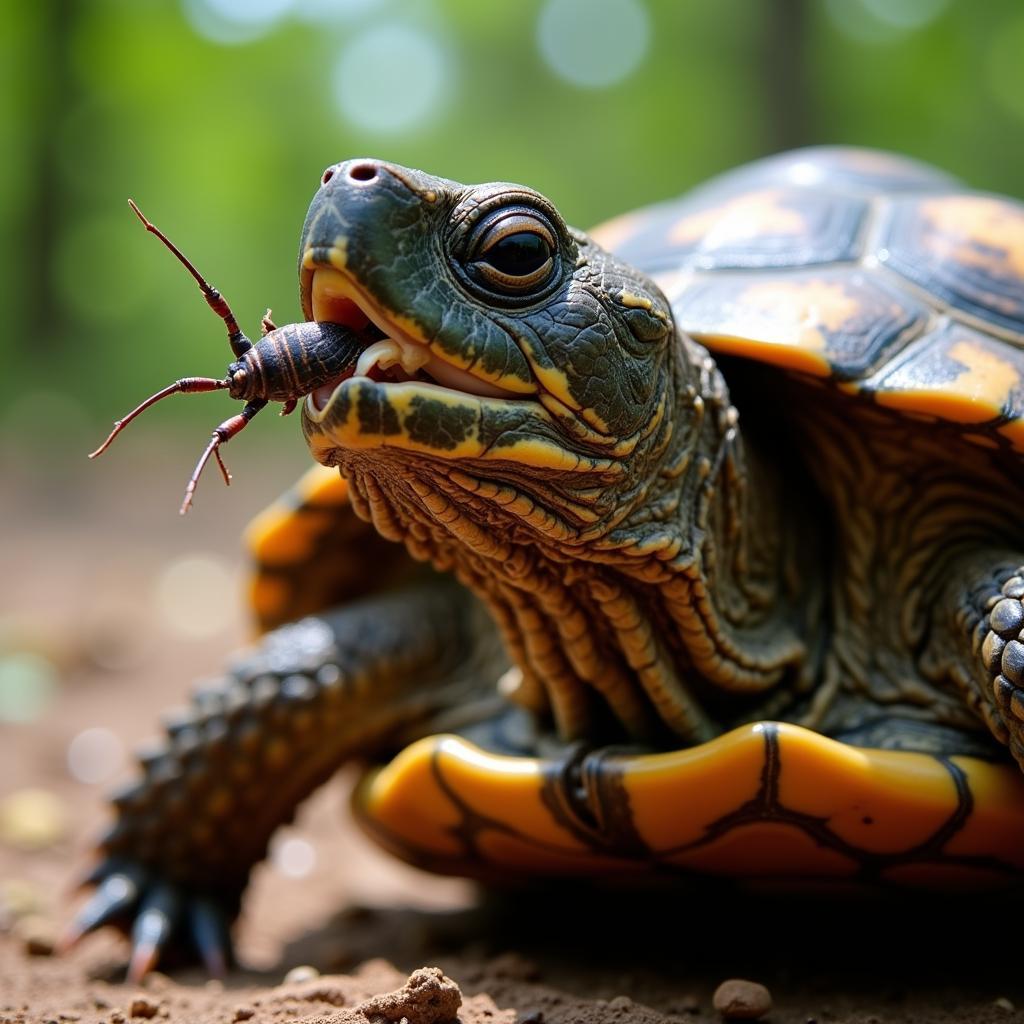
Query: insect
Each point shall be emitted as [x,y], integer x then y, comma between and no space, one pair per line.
[284,365]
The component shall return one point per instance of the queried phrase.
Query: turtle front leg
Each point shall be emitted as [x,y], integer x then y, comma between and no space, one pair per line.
[987,604]
[234,766]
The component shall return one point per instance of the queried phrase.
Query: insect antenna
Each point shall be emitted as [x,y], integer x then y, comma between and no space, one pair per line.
[187,385]
[239,343]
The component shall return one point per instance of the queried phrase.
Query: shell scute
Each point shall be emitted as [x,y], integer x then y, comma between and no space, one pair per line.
[966,249]
[959,375]
[837,322]
[774,226]
[848,265]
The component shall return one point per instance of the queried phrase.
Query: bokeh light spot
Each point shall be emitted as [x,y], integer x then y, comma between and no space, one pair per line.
[294,858]
[32,819]
[232,22]
[332,11]
[196,596]
[593,43]
[95,755]
[877,22]
[906,14]
[391,78]
[28,684]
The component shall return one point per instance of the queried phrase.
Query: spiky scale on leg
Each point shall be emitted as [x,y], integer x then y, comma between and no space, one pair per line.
[236,764]
[987,599]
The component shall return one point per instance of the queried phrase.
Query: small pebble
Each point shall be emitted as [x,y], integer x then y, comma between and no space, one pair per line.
[244,1012]
[1004,1004]
[737,999]
[299,974]
[142,1007]
[427,997]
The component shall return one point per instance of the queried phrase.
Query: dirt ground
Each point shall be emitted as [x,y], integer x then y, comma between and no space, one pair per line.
[111,606]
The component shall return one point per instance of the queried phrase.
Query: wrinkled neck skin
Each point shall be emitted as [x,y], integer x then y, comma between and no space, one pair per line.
[664,598]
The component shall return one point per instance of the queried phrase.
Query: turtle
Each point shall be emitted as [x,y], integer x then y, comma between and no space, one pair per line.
[689,547]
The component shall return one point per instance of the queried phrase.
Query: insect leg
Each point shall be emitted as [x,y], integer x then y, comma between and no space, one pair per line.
[221,435]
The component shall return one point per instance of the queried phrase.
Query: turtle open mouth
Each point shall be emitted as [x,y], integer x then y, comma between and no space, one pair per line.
[398,354]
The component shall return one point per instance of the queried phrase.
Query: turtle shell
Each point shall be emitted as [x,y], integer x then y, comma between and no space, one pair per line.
[880,275]
[766,801]
[877,275]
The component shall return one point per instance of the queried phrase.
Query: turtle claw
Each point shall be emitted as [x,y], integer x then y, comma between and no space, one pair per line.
[208,927]
[116,895]
[158,915]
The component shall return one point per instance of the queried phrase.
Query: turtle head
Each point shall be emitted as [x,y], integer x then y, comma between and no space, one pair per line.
[513,354]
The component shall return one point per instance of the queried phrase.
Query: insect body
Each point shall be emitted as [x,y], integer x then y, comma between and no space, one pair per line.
[284,365]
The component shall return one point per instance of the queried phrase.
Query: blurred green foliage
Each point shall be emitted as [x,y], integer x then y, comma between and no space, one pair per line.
[222,143]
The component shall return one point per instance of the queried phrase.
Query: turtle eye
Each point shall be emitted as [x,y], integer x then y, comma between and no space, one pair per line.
[514,252]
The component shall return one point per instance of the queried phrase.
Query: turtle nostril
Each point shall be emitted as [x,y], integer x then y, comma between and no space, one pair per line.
[362,172]
[327,175]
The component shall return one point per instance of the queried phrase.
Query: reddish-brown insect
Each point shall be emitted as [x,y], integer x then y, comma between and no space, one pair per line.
[284,365]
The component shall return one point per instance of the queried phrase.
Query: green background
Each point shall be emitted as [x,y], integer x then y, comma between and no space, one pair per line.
[222,144]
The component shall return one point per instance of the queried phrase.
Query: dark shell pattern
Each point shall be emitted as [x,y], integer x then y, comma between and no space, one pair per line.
[874,272]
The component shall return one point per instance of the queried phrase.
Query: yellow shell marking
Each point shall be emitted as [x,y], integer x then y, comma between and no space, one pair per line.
[408,799]
[746,216]
[977,231]
[835,809]
[783,323]
[979,393]
[1015,432]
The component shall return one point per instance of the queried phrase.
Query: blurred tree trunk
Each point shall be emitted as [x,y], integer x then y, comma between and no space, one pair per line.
[45,209]
[784,75]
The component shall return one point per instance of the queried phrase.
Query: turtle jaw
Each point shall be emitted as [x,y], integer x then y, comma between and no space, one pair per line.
[403,395]
[335,296]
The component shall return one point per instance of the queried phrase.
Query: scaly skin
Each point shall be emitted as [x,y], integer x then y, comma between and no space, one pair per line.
[235,764]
